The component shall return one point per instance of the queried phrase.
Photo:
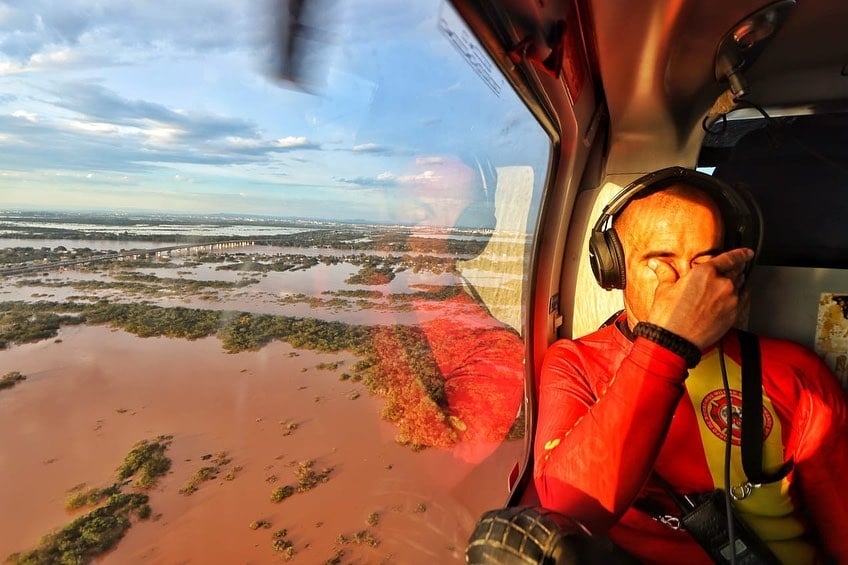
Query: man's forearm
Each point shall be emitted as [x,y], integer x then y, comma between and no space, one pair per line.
[594,456]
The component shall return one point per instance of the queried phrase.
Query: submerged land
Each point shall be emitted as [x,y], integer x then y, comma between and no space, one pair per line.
[304,383]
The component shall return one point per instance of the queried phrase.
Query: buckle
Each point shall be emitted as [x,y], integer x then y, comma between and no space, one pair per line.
[743,491]
[670,522]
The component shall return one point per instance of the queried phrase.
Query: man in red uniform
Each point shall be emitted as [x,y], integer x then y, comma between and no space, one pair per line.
[644,397]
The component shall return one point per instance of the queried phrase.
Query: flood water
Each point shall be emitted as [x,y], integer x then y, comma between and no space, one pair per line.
[92,392]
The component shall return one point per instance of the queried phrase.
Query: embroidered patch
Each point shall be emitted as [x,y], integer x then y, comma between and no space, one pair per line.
[714,413]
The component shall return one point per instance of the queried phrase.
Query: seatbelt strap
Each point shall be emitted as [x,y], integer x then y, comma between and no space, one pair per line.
[752,414]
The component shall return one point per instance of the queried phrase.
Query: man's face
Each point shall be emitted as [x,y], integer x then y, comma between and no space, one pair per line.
[678,226]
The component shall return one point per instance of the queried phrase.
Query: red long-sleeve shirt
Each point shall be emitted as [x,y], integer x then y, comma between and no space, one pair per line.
[613,411]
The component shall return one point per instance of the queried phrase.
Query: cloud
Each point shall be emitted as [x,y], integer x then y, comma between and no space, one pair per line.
[292,142]
[57,57]
[60,60]
[388,179]
[85,126]
[423,176]
[47,28]
[246,142]
[95,102]
[258,145]
[385,179]
[30,116]
[368,148]
[424,161]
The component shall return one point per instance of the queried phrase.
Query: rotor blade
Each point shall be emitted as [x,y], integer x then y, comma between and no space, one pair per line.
[302,37]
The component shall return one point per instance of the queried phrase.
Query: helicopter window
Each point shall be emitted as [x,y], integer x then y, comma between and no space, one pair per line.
[287,306]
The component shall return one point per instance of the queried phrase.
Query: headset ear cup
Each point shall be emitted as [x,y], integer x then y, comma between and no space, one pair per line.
[606,257]
[618,275]
[598,256]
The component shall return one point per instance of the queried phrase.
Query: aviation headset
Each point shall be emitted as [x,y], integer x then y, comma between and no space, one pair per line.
[741,216]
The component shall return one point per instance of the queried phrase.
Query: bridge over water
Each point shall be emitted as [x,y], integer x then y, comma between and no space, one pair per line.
[182,249]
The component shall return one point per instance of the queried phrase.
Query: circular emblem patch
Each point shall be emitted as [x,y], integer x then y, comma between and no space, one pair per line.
[714,413]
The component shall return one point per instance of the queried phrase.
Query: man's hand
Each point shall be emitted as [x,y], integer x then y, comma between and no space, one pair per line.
[703,304]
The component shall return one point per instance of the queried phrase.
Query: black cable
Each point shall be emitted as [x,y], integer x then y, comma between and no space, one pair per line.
[709,129]
[758,108]
[728,443]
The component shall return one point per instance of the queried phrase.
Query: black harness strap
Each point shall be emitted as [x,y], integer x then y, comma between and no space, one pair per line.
[752,414]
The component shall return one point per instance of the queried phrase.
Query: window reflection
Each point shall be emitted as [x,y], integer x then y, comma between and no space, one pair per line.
[456,370]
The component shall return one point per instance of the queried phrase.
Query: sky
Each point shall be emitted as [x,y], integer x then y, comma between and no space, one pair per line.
[179,107]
